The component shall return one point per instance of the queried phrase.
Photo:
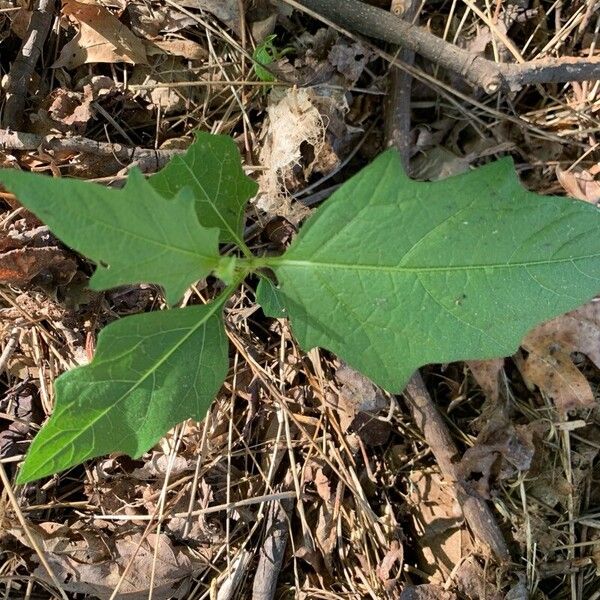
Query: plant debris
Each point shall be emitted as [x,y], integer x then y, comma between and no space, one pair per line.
[300,458]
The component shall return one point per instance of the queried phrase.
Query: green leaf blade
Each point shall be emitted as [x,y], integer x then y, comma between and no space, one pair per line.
[135,235]
[150,372]
[212,169]
[392,274]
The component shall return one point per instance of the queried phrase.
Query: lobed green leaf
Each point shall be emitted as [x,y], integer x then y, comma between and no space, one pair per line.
[150,372]
[135,235]
[212,169]
[392,274]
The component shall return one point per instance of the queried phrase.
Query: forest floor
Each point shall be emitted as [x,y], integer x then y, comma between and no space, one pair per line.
[299,456]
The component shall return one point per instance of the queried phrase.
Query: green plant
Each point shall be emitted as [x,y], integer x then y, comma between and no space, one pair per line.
[265,54]
[390,274]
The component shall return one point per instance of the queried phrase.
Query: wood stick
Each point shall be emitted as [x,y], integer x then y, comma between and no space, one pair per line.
[479,71]
[272,551]
[151,160]
[24,65]
[476,511]
[397,110]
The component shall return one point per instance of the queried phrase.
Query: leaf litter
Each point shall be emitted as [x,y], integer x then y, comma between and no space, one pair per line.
[280,413]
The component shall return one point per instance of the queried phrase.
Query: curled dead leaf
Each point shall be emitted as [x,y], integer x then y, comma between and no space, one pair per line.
[579,184]
[549,365]
[102,38]
[22,265]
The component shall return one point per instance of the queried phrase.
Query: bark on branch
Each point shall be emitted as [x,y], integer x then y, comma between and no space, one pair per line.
[24,65]
[477,513]
[481,72]
[147,159]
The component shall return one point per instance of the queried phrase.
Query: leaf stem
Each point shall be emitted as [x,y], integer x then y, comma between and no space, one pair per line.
[252,264]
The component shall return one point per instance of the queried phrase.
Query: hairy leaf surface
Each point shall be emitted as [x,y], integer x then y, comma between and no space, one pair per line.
[212,169]
[392,274]
[150,372]
[134,234]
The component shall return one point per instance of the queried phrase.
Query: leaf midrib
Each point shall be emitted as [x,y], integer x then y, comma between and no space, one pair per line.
[211,203]
[294,263]
[217,306]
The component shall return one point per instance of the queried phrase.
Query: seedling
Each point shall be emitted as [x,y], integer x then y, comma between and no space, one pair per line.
[389,274]
[265,54]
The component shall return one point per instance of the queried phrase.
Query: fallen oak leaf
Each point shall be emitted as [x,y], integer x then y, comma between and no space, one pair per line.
[22,265]
[102,38]
[184,48]
[548,365]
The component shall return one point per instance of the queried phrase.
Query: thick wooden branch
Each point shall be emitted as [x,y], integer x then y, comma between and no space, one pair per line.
[480,72]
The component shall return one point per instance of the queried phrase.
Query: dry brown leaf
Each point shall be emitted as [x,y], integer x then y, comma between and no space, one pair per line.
[326,535]
[159,465]
[20,23]
[21,266]
[487,375]
[358,394]
[474,582]
[81,545]
[184,48]
[548,365]
[172,570]
[170,100]
[326,528]
[427,591]
[350,59]
[394,557]
[322,485]
[579,184]
[19,411]
[65,111]
[227,11]
[554,373]
[437,520]
[151,21]
[501,451]
[102,38]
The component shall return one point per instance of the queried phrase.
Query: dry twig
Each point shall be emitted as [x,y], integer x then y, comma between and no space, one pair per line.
[476,512]
[397,113]
[272,551]
[147,159]
[24,65]
[481,72]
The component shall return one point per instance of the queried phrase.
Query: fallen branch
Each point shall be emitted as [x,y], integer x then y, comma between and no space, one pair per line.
[479,71]
[24,65]
[272,551]
[477,513]
[148,159]
[397,108]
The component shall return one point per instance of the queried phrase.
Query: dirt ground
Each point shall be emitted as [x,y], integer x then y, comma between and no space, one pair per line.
[305,480]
